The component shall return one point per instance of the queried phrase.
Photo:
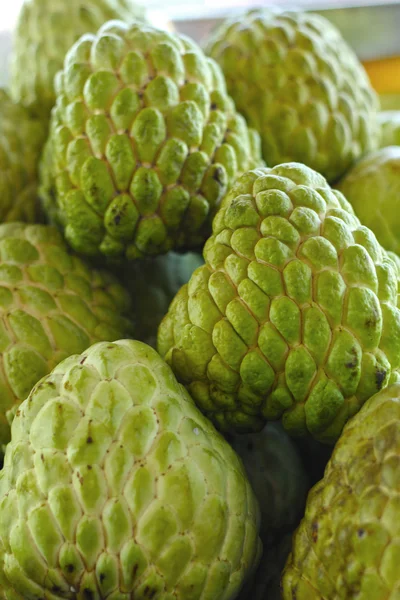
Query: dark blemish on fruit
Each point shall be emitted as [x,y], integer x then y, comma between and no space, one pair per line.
[70,568]
[218,174]
[117,219]
[89,440]
[88,594]
[361,533]
[213,106]
[102,577]
[314,532]
[83,360]
[135,570]
[353,363]
[89,467]
[380,378]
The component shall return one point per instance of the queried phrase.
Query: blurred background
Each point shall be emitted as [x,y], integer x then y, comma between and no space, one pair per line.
[371,27]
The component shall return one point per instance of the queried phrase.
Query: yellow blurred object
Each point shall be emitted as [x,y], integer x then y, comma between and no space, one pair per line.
[384,74]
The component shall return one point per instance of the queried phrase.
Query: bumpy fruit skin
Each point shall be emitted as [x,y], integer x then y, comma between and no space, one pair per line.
[144,142]
[299,84]
[21,141]
[52,305]
[294,314]
[277,476]
[372,186]
[389,121]
[45,31]
[347,545]
[153,283]
[116,486]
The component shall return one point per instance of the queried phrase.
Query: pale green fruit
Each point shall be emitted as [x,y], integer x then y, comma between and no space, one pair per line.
[277,476]
[52,305]
[153,283]
[372,186]
[144,143]
[300,85]
[21,141]
[389,121]
[294,315]
[115,486]
[45,31]
[347,545]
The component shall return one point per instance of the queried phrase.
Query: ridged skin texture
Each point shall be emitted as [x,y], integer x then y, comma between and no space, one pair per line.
[153,283]
[45,31]
[389,121]
[52,305]
[299,84]
[372,186]
[277,476]
[116,487]
[348,544]
[21,141]
[294,314]
[144,142]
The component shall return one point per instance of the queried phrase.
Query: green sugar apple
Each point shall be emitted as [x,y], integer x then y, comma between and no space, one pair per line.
[300,85]
[277,476]
[52,305]
[389,121]
[116,486]
[348,544]
[153,283]
[144,143]
[45,31]
[293,316]
[372,186]
[21,141]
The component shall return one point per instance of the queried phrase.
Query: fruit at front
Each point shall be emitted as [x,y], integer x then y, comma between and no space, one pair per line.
[347,545]
[294,315]
[116,486]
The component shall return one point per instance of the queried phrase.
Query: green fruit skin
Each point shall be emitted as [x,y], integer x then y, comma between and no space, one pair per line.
[45,31]
[116,486]
[347,545]
[294,315]
[389,121]
[52,305]
[144,143]
[295,79]
[21,142]
[153,283]
[277,476]
[372,186]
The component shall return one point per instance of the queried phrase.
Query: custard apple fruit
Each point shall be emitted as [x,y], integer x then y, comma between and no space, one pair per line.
[389,121]
[372,186]
[265,583]
[347,545]
[45,31]
[21,141]
[116,486]
[294,314]
[300,85]
[277,476]
[144,143]
[53,305]
[153,283]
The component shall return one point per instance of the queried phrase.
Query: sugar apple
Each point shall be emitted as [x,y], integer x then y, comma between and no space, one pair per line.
[116,486]
[294,314]
[52,305]
[144,142]
[372,186]
[389,121]
[300,85]
[45,31]
[21,141]
[153,283]
[277,477]
[347,545]
[265,583]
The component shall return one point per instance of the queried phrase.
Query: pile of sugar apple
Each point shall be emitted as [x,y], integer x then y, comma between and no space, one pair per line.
[200,315]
